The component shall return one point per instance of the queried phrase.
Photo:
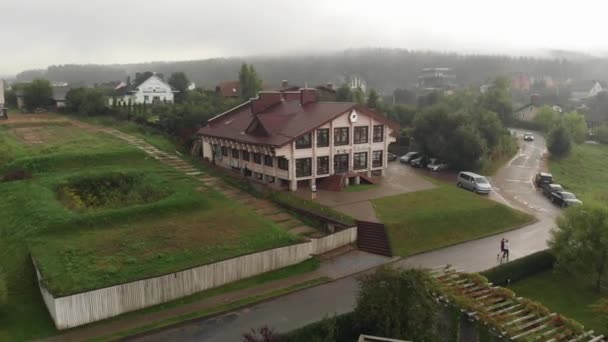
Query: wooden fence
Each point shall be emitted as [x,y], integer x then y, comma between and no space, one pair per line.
[86,307]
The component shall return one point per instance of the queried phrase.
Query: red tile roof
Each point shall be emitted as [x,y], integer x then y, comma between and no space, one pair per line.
[228,88]
[284,121]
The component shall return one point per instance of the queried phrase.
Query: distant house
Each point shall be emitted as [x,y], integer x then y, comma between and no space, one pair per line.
[60,92]
[2,101]
[527,112]
[228,89]
[148,87]
[584,90]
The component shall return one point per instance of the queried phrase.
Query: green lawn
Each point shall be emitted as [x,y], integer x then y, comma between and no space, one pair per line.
[80,249]
[567,295]
[360,187]
[584,172]
[430,219]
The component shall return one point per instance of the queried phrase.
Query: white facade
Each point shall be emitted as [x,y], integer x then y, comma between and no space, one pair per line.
[152,90]
[527,113]
[357,155]
[1,93]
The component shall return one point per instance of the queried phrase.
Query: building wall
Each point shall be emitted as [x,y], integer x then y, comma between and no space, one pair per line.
[148,90]
[86,307]
[291,153]
[528,113]
[2,102]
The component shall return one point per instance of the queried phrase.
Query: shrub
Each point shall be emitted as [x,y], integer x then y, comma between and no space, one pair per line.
[341,327]
[559,142]
[520,268]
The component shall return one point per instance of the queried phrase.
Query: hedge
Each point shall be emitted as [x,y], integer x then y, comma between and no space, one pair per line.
[341,327]
[520,268]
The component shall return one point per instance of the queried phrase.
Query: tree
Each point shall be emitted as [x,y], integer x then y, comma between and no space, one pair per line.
[372,99]
[37,94]
[180,82]
[86,101]
[546,118]
[559,142]
[344,94]
[404,115]
[580,245]
[396,303]
[249,82]
[358,96]
[498,100]
[404,96]
[601,133]
[576,125]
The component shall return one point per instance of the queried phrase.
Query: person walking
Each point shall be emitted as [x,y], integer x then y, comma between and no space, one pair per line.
[313,189]
[502,249]
[506,250]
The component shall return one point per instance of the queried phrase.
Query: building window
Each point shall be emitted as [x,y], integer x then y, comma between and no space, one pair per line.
[146,98]
[304,141]
[341,163]
[360,160]
[156,99]
[341,136]
[377,158]
[361,135]
[378,133]
[225,151]
[257,158]
[283,163]
[303,167]
[235,153]
[245,155]
[322,165]
[268,161]
[323,137]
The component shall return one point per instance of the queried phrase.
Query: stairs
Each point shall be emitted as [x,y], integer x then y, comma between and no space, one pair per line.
[332,183]
[372,238]
[365,178]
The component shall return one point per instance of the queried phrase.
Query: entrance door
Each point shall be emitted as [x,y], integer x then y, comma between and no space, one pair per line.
[341,163]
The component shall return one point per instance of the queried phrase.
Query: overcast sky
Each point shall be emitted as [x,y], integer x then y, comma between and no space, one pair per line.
[37,33]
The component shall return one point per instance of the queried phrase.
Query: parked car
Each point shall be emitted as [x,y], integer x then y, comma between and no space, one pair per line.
[407,158]
[549,189]
[528,136]
[472,181]
[565,199]
[437,165]
[543,178]
[421,161]
[391,157]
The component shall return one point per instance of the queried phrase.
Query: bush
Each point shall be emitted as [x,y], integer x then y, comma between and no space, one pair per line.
[520,268]
[341,327]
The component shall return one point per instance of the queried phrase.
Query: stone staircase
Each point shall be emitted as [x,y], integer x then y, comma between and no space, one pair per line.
[263,207]
[372,237]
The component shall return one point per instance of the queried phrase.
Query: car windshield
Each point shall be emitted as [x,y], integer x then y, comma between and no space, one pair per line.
[567,195]
[410,154]
[481,180]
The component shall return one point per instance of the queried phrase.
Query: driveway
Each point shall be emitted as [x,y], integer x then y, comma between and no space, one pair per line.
[398,179]
[513,188]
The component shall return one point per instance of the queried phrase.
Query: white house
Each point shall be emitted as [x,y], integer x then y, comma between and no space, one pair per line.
[1,93]
[290,139]
[527,112]
[146,88]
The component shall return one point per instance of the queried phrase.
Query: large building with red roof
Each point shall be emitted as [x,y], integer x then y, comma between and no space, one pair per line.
[290,139]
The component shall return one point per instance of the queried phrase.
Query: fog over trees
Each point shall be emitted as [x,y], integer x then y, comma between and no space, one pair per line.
[382,69]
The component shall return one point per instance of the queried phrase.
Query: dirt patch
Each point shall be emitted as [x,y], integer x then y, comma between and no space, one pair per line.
[30,135]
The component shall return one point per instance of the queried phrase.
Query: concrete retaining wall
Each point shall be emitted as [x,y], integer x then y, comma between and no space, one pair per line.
[86,307]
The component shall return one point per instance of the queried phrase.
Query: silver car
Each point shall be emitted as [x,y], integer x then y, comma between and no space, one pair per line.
[472,181]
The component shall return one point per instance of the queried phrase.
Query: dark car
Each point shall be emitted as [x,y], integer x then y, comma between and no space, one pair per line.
[565,199]
[549,189]
[421,161]
[543,178]
[391,157]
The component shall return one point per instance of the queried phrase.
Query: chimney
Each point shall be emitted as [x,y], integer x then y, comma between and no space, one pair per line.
[265,100]
[284,84]
[308,95]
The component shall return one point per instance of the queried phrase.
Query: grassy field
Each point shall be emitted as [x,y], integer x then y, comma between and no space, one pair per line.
[584,172]
[567,295]
[425,220]
[81,249]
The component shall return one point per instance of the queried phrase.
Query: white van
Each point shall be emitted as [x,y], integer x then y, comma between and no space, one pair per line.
[472,181]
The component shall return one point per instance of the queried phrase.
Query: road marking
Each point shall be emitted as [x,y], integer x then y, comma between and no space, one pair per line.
[523,167]
[503,199]
[517,181]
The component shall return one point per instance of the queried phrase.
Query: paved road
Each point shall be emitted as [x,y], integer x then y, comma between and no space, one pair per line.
[513,187]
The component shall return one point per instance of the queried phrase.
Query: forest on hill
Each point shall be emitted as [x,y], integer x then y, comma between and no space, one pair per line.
[382,69]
